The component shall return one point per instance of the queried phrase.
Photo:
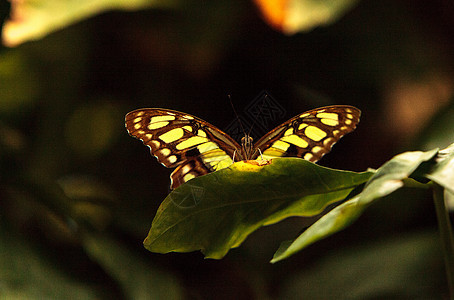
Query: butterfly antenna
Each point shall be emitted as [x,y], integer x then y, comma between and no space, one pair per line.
[237,117]
[257,117]
[255,120]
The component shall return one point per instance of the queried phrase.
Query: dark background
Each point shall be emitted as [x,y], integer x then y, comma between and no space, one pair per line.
[77,194]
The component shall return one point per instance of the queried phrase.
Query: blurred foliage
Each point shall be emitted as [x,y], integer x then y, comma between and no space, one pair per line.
[34,19]
[440,130]
[292,16]
[375,265]
[77,194]
[31,20]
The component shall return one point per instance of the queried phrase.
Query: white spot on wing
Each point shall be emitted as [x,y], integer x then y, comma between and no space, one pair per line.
[317,149]
[308,156]
[155,144]
[188,177]
[165,151]
[186,169]
[172,159]
[328,141]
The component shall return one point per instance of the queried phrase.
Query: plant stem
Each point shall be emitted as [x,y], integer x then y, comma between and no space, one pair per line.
[445,228]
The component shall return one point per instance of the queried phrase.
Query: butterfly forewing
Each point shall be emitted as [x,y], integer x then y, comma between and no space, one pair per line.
[180,140]
[309,135]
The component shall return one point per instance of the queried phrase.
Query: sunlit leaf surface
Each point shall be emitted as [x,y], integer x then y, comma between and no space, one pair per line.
[218,211]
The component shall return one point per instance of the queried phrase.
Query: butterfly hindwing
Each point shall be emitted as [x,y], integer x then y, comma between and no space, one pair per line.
[311,134]
[180,140]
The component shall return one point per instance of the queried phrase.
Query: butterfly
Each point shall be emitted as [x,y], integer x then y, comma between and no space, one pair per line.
[194,147]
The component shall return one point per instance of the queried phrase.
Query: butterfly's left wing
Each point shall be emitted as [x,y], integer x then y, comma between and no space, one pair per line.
[309,135]
[182,141]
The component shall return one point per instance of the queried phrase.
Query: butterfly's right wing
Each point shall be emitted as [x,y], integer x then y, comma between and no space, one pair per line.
[309,135]
[182,141]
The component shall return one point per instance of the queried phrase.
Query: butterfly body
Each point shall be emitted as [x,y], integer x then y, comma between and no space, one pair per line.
[247,149]
[194,147]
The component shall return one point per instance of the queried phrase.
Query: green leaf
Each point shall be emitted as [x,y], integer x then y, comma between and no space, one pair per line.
[387,179]
[36,19]
[216,212]
[441,169]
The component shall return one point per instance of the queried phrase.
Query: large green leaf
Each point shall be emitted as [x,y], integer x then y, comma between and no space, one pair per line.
[216,212]
[390,177]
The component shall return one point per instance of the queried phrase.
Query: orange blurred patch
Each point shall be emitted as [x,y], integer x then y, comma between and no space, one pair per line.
[410,104]
[274,12]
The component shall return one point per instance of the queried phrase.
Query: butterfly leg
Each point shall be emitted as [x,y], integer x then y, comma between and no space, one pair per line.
[260,153]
